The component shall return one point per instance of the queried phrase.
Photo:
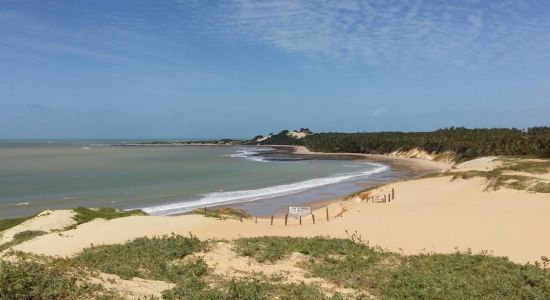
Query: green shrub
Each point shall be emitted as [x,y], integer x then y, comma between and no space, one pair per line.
[21,237]
[465,276]
[228,213]
[6,224]
[84,214]
[274,248]
[38,280]
[247,289]
[157,258]
[390,275]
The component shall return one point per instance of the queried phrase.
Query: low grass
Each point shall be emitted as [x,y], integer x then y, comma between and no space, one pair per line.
[157,258]
[6,224]
[497,180]
[345,262]
[21,237]
[84,214]
[41,278]
[394,276]
[540,166]
[540,187]
[466,276]
[168,258]
[251,288]
[228,213]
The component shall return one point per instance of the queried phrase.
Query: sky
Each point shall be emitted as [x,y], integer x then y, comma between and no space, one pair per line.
[238,68]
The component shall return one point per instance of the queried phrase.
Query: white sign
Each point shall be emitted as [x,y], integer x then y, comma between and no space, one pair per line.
[300,211]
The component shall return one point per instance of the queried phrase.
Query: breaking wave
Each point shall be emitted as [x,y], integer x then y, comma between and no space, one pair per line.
[219,198]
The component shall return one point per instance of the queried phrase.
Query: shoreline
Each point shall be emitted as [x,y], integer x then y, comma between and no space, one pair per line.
[428,215]
[420,167]
[439,165]
[342,189]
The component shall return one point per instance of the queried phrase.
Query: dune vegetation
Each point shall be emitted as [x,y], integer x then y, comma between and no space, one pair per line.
[227,213]
[84,214]
[352,264]
[6,224]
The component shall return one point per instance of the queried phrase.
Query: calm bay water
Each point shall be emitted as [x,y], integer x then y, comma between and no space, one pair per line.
[169,179]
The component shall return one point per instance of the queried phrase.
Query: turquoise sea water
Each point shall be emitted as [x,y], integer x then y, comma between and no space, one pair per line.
[170,179]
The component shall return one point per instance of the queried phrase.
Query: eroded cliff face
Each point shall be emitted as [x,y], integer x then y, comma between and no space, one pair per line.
[446,156]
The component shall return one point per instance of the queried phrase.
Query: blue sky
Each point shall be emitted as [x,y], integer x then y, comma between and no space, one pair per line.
[193,69]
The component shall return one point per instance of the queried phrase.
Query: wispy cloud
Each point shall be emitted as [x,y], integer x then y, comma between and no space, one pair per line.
[379,111]
[397,32]
[394,33]
[23,31]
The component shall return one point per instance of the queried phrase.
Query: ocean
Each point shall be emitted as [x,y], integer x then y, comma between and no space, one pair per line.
[166,179]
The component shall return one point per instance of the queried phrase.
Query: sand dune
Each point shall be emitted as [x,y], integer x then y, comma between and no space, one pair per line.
[47,221]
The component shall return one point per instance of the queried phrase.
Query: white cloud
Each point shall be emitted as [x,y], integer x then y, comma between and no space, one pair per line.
[379,111]
[398,32]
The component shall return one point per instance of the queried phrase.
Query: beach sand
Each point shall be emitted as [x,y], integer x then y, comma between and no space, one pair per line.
[417,162]
[427,215]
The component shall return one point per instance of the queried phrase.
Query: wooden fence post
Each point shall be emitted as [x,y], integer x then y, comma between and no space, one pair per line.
[327,213]
[256,220]
[300,219]
[205,211]
[313,217]
[272,216]
[385,198]
[389,198]
[392,193]
[286,219]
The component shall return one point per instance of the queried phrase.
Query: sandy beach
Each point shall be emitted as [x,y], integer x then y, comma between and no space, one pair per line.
[418,160]
[433,214]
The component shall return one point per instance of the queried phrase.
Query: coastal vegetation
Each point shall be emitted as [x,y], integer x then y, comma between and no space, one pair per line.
[157,258]
[517,174]
[21,237]
[228,213]
[6,224]
[352,263]
[347,263]
[460,142]
[84,214]
[496,180]
[34,277]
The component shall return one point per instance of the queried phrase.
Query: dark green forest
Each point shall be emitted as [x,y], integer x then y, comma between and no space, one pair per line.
[462,142]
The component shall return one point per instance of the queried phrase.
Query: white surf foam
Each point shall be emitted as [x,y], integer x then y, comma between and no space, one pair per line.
[249,154]
[219,198]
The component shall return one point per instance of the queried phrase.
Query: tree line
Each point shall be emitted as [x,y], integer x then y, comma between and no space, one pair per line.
[464,143]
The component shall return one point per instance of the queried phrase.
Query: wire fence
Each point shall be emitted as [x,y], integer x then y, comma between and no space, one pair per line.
[323,215]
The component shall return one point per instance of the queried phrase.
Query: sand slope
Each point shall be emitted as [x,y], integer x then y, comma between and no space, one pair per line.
[48,220]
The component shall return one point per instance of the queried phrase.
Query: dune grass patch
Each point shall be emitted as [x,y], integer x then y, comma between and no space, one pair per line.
[228,213]
[168,258]
[157,258]
[349,263]
[539,166]
[497,180]
[248,288]
[84,214]
[21,237]
[6,224]
[41,278]
[390,275]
